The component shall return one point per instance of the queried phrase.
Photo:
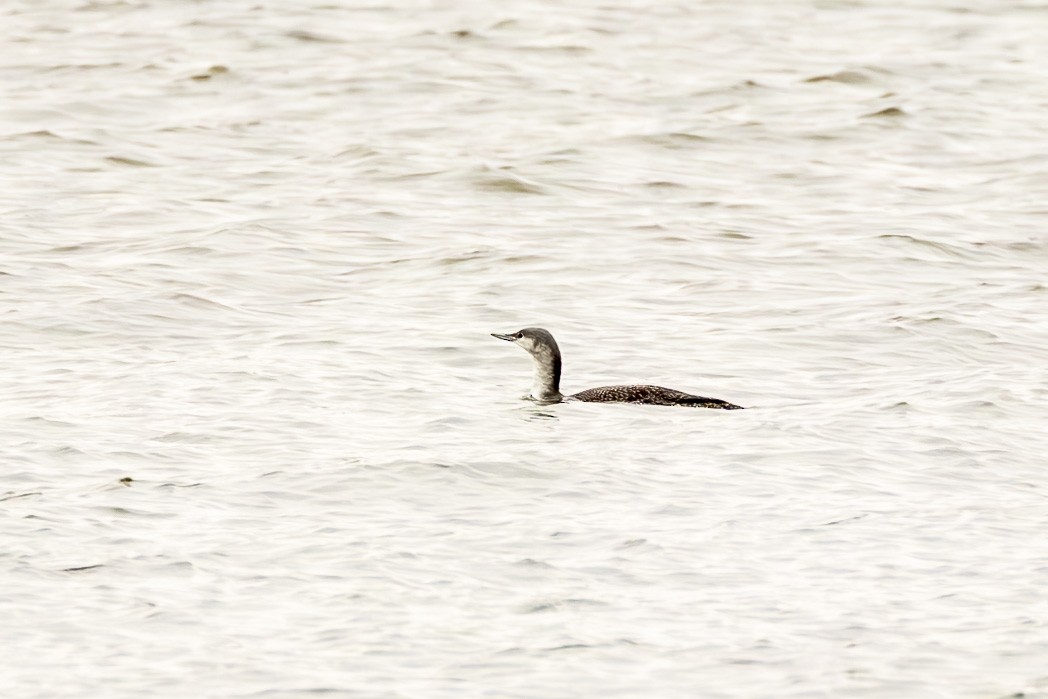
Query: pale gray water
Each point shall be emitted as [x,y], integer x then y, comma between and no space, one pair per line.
[250,255]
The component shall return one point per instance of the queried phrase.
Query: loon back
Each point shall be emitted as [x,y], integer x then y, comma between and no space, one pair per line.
[650,395]
[539,343]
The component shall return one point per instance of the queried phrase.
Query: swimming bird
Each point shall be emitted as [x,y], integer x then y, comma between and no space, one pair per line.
[540,344]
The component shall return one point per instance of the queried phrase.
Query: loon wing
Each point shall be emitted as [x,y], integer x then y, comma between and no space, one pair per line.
[650,395]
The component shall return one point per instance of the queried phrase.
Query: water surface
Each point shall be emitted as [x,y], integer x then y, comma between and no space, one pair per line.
[258,441]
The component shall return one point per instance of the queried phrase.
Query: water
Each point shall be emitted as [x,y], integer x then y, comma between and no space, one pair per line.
[257,439]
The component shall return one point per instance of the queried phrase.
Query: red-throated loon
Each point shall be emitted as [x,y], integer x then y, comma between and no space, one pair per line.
[543,349]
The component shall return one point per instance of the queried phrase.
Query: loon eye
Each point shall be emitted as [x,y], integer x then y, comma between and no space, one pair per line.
[518,336]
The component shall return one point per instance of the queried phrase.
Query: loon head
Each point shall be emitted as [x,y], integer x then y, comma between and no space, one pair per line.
[540,344]
[534,340]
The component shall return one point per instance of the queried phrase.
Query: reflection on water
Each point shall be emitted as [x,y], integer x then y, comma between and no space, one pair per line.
[541,414]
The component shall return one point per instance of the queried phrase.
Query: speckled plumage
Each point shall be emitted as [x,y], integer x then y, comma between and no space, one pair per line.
[649,395]
[540,344]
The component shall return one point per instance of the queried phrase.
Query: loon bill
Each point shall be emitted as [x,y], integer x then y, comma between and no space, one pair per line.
[546,388]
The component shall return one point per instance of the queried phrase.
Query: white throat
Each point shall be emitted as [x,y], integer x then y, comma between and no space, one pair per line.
[543,385]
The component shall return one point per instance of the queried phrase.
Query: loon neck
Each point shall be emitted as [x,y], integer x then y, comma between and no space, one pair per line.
[546,385]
